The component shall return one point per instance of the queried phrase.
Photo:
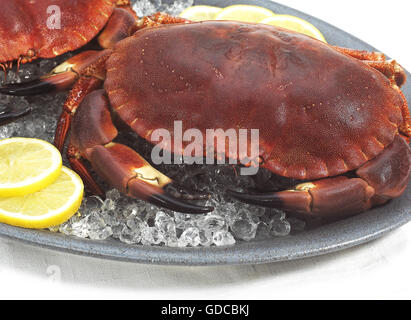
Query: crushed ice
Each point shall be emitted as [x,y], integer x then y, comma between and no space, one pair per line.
[172,7]
[137,222]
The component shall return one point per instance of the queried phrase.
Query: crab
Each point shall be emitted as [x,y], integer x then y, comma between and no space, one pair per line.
[25,34]
[332,117]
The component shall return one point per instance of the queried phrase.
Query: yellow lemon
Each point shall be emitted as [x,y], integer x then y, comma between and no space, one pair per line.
[244,13]
[46,208]
[294,24]
[27,165]
[200,13]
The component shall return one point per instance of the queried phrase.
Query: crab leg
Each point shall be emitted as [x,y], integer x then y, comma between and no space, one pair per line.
[92,138]
[376,182]
[377,60]
[158,19]
[83,86]
[362,54]
[122,24]
[90,79]
[391,69]
[405,127]
[78,165]
[7,116]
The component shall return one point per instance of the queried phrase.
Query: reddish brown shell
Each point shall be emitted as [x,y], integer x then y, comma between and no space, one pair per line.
[320,112]
[23,26]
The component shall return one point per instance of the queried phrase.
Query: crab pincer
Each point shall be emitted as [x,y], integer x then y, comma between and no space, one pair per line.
[92,138]
[375,183]
[356,189]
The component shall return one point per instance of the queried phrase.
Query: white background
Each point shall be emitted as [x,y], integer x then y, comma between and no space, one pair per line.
[377,270]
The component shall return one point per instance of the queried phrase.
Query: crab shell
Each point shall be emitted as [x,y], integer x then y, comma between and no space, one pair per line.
[320,113]
[25,31]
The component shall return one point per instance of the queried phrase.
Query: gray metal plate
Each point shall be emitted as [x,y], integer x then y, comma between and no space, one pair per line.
[326,239]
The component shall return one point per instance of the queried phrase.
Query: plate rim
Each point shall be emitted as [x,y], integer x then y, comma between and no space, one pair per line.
[315,241]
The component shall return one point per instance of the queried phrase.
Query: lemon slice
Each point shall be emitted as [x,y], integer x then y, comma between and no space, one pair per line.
[244,13]
[200,13]
[294,24]
[46,208]
[27,165]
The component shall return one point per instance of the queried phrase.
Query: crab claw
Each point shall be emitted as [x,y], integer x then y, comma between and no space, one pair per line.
[375,183]
[285,200]
[171,199]
[172,203]
[48,84]
[59,79]
[123,168]
[127,171]
[7,116]
[328,199]
[182,193]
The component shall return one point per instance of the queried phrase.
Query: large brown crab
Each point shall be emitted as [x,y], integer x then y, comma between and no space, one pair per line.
[331,116]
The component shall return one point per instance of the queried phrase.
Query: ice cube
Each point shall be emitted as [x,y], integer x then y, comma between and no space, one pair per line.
[190,237]
[165,225]
[146,7]
[244,229]
[212,223]
[279,226]
[98,229]
[151,236]
[223,238]
[206,238]
[128,236]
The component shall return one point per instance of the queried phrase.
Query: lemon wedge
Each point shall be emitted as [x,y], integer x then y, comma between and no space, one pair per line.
[294,24]
[200,13]
[27,165]
[46,208]
[245,13]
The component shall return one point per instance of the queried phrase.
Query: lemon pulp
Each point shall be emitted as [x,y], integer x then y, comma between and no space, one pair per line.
[294,24]
[244,13]
[27,165]
[200,13]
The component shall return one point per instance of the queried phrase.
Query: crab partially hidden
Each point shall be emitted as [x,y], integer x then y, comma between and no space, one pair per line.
[333,117]
[48,28]
[31,30]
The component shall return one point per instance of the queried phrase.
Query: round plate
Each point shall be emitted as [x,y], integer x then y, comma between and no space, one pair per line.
[326,239]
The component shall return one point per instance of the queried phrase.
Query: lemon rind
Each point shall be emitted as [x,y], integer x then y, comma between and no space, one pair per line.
[53,217]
